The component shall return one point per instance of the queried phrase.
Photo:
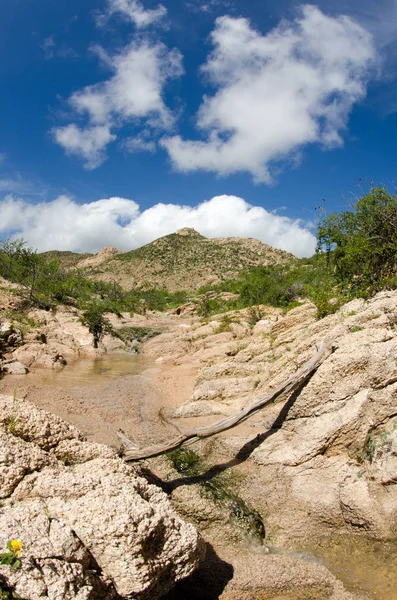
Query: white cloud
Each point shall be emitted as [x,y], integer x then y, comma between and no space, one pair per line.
[135,12]
[65,225]
[132,94]
[53,50]
[209,5]
[48,47]
[276,92]
[88,143]
[135,90]
[139,143]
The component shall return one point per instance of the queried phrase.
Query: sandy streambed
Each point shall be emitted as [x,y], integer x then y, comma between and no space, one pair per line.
[115,391]
[122,391]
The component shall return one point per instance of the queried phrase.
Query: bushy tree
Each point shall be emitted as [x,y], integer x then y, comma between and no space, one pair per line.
[93,318]
[361,244]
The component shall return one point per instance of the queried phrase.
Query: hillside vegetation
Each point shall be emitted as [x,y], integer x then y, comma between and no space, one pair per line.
[355,257]
[184,260]
[65,258]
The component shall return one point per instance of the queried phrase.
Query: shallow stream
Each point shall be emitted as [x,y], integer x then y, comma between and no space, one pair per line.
[115,390]
[88,371]
[365,566]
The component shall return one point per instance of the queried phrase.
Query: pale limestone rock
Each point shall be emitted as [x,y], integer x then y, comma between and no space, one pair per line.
[91,527]
[14,367]
[313,464]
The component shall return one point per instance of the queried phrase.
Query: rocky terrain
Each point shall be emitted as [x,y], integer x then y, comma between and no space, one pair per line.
[91,527]
[317,466]
[184,260]
[330,453]
[322,464]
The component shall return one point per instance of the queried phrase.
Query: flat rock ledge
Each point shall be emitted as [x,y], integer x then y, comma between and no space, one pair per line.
[91,527]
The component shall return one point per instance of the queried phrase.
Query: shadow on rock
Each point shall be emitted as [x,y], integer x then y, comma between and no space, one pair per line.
[243,454]
[207,582]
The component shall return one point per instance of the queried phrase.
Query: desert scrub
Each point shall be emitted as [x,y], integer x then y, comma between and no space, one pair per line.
[220,490]
[224,325]
[12,421]
[98,325]
[254,315]
[140,334]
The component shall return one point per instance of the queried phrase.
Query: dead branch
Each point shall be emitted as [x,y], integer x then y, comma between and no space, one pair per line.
[131,451]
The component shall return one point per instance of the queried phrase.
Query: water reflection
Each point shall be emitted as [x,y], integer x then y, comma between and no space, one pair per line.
[365,566]
[88,371]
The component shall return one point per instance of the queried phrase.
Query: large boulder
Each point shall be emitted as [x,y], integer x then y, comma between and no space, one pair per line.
[91,526]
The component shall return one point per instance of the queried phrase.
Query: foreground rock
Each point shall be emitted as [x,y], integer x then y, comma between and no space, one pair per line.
[91,527]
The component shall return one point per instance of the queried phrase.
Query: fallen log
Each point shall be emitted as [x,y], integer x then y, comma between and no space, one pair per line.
[132,452]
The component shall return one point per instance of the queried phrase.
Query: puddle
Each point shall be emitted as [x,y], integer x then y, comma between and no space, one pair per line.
[365,566]
[87,371]
[104,394]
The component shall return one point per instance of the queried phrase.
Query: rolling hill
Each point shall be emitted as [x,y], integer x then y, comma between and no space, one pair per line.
[185,260]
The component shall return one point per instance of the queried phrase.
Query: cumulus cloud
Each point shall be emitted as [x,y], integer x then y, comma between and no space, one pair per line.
[134,11]
[133,93]
[276,92]
[88,143]
[65,225]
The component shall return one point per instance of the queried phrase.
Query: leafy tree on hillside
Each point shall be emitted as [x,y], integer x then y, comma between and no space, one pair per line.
[361,244]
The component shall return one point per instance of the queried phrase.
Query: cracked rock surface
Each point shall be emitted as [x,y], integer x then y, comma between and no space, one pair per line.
[91,527]
[325,462]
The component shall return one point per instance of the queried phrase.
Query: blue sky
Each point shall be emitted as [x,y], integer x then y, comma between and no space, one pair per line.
[122,121]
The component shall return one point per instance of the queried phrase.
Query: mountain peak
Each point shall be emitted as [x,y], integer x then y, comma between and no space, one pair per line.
[188,231]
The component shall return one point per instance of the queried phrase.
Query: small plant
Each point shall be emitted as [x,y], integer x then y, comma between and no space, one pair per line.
[371,448]
[184,460]
[355,328]
[375,446]
[12,421]
[224,325]
[11,558]
[254,314]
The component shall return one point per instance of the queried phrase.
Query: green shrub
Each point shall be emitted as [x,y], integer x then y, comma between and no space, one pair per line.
[93,318]
[360,245]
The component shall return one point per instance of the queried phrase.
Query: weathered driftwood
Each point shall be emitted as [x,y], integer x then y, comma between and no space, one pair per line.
[132,452]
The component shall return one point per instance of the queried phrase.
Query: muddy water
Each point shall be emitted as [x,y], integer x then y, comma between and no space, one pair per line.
[102,395]
[365,566]
[87,371]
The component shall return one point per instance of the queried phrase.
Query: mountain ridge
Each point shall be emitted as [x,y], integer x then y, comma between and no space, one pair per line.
[184,260]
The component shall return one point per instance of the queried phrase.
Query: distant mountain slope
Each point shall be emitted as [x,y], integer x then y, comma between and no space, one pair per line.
[65,258]
[184,260]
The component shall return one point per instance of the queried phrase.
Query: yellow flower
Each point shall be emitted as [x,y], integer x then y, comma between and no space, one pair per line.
[16,545]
